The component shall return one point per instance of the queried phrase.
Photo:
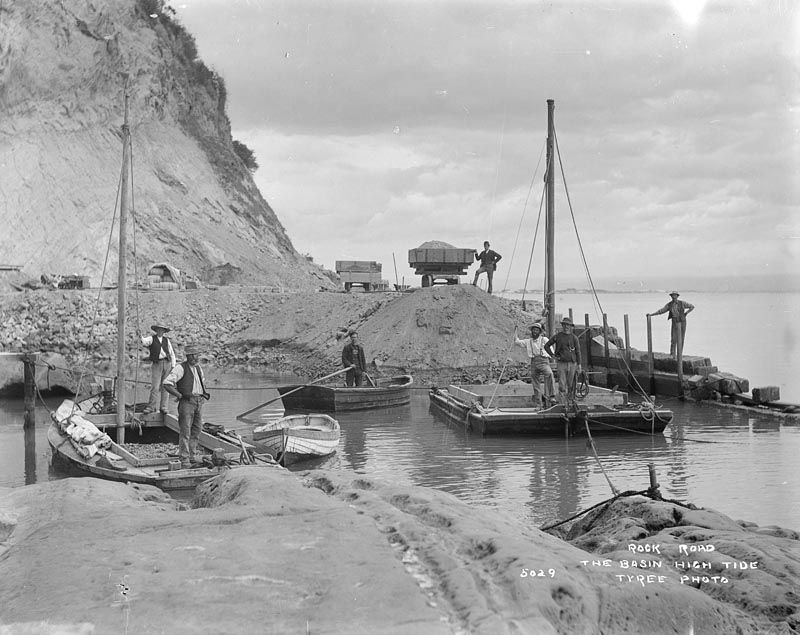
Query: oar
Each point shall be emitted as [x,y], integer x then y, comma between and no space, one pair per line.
[266,403]
[370,380]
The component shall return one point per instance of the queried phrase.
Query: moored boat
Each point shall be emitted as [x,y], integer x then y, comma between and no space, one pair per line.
[507,409]
[387,392]
[298,437]
[84,447]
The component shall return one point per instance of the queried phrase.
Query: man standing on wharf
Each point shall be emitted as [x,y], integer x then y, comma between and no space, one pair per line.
[162,359]
[488,260]
[353,355]
[540,366]
[186,382]
[568,360]
[678,310]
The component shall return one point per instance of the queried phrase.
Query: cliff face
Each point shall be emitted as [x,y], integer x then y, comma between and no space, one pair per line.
[63,65]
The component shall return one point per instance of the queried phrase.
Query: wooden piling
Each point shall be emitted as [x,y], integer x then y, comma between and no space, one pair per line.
[606,354]
[679,354]
[588,341]
[627,340]
[650,363]
[29,382]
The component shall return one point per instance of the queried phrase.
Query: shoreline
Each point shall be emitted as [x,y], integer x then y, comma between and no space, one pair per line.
[341,553]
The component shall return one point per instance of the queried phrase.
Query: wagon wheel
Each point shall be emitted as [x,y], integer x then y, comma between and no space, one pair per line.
[427,281]
[347,287]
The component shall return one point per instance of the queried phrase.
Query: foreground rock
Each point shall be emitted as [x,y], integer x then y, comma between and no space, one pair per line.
[264,551]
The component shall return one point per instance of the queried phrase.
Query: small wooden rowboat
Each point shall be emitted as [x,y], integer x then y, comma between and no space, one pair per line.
[298,437]
[387,392]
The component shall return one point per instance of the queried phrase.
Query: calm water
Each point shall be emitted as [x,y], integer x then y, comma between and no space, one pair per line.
[745,466]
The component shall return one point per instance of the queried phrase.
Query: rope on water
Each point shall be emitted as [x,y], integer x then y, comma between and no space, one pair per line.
[597,458]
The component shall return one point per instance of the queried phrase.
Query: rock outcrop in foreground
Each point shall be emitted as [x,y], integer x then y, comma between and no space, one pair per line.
[63,70]
[266,551]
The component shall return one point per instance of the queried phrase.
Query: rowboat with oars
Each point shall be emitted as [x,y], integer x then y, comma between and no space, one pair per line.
[385,393]
[298,437]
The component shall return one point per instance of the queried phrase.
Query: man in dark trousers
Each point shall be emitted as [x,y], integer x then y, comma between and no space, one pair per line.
[678,310]
[488,260]
[162,359]
[353,355]
[568,360]
[187,383]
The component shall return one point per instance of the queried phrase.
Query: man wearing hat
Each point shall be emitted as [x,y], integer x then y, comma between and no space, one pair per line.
[540,365]
[162,359]
[187,383]
[568,360]
[488,259]
[677,310]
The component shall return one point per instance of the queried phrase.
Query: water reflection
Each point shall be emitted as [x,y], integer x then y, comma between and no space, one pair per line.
[734,461]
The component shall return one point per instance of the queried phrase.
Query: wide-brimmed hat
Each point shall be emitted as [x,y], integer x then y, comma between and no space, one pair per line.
[160,326]
[536,325]
[675,293]
[192,350]
[567,320]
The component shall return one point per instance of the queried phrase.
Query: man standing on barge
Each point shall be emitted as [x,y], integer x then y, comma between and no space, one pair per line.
[678,310]
[540,366]
[162,359]
[568,360]
[187,383]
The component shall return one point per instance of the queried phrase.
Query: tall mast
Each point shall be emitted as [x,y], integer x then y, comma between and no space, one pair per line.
[123,220]
[550,222]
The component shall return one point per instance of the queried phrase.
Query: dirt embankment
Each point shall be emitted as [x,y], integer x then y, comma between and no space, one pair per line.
[266,551]
[423,332]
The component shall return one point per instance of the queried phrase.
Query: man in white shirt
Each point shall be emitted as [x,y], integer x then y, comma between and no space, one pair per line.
[540,366]
[187,383]
[162,359]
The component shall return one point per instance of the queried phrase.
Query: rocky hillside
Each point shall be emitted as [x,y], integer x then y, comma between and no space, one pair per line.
[63,68]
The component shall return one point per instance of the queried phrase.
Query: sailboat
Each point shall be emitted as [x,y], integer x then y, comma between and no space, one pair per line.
[507,408]
[77,434]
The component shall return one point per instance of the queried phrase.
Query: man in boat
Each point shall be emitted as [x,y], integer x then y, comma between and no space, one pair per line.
[488,259]
[568,360]
[187,383]
[162,359]
[353,355]
[540,366]
[677,311]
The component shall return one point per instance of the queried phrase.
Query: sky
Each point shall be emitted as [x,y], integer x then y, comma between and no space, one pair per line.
[380,125]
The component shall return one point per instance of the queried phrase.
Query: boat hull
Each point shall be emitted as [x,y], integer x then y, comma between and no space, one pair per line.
[388,393]
[299,437]
[554,421]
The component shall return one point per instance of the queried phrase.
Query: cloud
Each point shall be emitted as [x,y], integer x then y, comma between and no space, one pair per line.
[379,126]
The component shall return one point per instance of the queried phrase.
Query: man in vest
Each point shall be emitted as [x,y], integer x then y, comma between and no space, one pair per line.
[677,310]
[187,383]
[162,359]
[568,360]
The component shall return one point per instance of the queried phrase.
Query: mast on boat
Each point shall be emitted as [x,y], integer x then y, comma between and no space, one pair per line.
[549,288]
[123,218]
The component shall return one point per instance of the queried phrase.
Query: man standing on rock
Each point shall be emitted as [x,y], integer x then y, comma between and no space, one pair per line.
[678,310]
[568,360]
[187,383]
[162,359]
[488,259]
[353,355]
[540,365]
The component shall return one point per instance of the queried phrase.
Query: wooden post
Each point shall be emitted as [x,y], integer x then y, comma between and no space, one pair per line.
[588,341]
[29,434]
[550,223]
[606,353]
[650,369]
[570,315]
[679,352]
[121,274]
[652,469]
[627,340]
[29,382]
